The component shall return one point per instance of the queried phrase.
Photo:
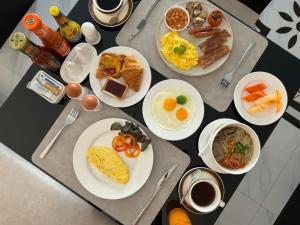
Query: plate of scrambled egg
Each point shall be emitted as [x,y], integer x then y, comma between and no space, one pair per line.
[105,172]
[180,50]
[173,109]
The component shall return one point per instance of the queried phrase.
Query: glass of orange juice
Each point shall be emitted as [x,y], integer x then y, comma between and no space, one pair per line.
[179,216]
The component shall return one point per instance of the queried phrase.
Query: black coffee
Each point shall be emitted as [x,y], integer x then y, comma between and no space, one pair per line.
[203,194]
[108,4]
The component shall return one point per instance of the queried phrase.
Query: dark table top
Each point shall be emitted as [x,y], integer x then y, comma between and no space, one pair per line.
[25,117]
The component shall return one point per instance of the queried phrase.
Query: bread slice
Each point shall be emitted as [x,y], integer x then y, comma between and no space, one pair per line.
[132,72]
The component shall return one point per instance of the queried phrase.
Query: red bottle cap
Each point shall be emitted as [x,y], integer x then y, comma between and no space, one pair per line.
[32,21]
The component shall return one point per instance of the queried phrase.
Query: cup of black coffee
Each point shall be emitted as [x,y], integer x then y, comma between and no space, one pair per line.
[108,6]
[205,196]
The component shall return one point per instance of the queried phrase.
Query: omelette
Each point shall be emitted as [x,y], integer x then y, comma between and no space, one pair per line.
[178,51]
[107,161]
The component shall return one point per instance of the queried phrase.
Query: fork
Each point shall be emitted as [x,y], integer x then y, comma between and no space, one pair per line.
[68,121]
[229,76]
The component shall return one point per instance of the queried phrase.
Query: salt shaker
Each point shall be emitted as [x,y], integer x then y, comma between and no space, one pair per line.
[92,36]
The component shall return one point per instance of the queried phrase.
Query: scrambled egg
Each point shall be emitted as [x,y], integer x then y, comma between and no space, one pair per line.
[108,162]
[185,55]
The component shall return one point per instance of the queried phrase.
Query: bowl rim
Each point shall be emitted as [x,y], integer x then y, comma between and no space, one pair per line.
[183,9]
[257,150]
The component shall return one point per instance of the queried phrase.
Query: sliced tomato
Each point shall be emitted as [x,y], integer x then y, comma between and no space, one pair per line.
[215,18]
[118,143]
[234,162]
[133,152]
[129,140]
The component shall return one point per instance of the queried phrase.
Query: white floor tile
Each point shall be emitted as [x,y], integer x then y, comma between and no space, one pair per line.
[274,157]
[263,217]
[285,185]
[240,210]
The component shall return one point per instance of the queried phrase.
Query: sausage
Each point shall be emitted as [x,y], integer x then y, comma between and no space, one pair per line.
[206,33]
[200,29]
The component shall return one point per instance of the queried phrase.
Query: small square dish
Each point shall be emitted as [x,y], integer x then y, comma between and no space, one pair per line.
[115,88]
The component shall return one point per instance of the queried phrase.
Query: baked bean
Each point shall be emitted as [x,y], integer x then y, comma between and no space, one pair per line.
[176,18]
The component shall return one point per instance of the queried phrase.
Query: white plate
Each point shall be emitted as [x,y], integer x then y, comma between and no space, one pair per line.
[267,116]
[92,179]
[81,62]
[131,97]
[197,70]
[203,139]
[179,86]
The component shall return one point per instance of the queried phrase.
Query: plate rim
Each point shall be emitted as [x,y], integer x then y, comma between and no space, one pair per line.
[186,72]
[79,178]
[173,135]
[120,103]
[238,103]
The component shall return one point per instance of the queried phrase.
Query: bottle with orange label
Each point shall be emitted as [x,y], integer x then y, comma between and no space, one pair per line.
[68,28]
[38,54]
[50,38]
[179,216]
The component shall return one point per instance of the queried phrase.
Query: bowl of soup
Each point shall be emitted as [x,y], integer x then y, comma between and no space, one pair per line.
[232,148]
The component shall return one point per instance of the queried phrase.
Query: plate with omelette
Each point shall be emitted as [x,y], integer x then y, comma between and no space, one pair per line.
[113,158]
[120,76]
[194,38]
[173,109]
[260,98]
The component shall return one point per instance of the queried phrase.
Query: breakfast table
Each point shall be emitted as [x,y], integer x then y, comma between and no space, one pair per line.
[25,118]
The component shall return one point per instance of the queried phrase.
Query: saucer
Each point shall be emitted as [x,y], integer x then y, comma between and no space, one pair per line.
[186,180]
[203,138]
[107,20]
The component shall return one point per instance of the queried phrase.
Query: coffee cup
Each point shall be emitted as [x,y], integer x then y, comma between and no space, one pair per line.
[205,196]
[108,6]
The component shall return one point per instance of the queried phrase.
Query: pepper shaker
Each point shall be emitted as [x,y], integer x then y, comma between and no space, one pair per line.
[92,36]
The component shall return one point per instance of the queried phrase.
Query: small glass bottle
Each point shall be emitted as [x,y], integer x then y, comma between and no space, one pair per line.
[69,29]
[39,55]
[50,38]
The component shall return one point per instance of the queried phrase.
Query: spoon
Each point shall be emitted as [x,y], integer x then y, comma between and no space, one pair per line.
[194,176]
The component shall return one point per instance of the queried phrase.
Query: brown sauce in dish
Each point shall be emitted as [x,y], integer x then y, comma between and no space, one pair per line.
[203,194]
[115,88]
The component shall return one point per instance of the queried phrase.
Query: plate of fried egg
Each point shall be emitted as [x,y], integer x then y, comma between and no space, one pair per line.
[173,109]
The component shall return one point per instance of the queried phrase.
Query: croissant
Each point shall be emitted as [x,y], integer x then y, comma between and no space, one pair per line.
[132,72]
[110,65]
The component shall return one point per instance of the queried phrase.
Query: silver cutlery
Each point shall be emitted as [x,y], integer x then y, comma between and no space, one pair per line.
[229,76]
[160,183]
[194,176]
[68,121]
[142,23]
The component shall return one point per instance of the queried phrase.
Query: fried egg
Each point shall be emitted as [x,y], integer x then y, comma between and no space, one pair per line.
[186,59]
[170,115]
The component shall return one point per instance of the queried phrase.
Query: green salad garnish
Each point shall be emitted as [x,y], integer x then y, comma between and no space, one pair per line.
[240,148]
[179,49]
[181,99]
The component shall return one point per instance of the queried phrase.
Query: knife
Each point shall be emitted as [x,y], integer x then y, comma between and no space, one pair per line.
[143,21]
[160,183]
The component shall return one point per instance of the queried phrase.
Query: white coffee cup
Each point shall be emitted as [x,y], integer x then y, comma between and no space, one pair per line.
[206,152]
[117,8]
[216,199]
